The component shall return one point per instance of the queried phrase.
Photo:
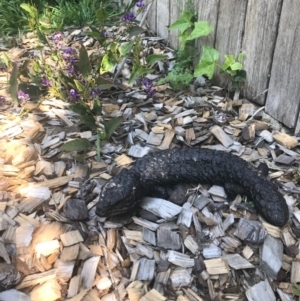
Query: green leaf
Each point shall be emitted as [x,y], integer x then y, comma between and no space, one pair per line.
[108,62]
[95,35]
[183,23]
[13,83]
[66,80]
[236,66]
[84,65]
[97,107]
[80,144]
[36,67]
[113,47]
[89,121]
[6,60]
[98,145]
[229,60]
[80,87]
[208,62]
[41,36]
[111,125]
[125,48]
[101,15]
[240,57]
[152,58]
[135,30]
[78,108]
[30,9]
[103,83]
[183,37]
[231,72]
[241,76]
[202,28]
[138,71]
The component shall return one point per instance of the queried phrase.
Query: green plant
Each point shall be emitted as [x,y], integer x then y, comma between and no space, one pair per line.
[79,78]
[181,74]
[12,17]
[296,291]
[190,30]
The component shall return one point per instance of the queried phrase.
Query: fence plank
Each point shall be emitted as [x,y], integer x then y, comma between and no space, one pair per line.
[259,42]
[283,96]
[229,32]
[176,9]
[208,11]
[151,20]
[163,16]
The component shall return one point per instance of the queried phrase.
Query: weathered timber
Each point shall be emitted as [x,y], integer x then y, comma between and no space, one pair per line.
[283,95]
[258,45]
[231,19]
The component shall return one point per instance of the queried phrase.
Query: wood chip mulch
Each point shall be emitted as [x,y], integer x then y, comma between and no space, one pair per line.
[54,247]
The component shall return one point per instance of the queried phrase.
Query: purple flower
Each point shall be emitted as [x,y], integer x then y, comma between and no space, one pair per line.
[23,97]
[2,99]
[57,37]
[128,17]
[147,86]
[70,69]
[73,95]
[105,33]
[95,92]
[68,51]
[140,4]
[46,82]
[147,83]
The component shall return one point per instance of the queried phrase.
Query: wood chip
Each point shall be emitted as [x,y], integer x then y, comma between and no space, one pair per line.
[285,140]
[160,207]
[168,239]
[216,266]
[146,269]
[261,291]
[88,271]
[237,262]
[271,256]
[71,238]
[48,291]
[221,136]
[153,295]
[180,259]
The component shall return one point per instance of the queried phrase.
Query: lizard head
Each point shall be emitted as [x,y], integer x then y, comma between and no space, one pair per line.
[119,195]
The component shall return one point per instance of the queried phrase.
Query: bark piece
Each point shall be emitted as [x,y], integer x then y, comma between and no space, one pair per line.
[168,239]
[216,266]
[271,256]
[181,277]
[146,269]
[9,276]
[221,136]
[48,291]
[261,291]
[89,271]
[74,286]
[153,295]
[285,140]
[75,209]
[71,238]
[250,231]
[248,132]
[149,236]
[295,273]
[160,207]
[180,259]
[237,262]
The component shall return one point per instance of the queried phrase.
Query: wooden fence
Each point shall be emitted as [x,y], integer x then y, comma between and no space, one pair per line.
[266,31]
